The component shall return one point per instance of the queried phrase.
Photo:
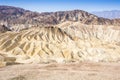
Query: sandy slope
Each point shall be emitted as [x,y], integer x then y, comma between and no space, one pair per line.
[54,71]
[52,44]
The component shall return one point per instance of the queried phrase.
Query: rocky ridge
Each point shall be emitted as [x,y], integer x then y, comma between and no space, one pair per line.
[18,18]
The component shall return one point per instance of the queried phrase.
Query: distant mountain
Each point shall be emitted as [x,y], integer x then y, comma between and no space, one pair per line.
[20,18]
[108,14]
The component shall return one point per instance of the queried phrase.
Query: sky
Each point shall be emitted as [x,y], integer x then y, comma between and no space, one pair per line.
[62,5]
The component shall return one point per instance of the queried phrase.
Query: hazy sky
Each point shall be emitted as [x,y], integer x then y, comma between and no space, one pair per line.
[58,5]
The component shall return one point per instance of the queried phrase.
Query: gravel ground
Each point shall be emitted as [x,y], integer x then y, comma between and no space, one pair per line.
[55,71]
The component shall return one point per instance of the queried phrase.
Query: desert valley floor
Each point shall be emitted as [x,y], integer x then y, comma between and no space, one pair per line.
[55,71]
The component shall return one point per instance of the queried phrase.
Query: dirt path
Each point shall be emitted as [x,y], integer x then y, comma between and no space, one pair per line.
[54,71]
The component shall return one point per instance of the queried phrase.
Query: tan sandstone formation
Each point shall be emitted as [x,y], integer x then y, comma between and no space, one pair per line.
[65,44]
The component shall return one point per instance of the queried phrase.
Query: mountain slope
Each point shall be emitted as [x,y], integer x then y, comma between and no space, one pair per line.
[18,18]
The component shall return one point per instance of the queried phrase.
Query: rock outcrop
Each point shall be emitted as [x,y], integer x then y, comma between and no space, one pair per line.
[3,28]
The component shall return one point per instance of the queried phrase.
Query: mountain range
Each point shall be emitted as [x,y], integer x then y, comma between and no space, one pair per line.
[114,14]
[13,17]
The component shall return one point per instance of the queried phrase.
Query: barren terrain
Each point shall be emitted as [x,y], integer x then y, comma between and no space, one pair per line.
[68,71]
[63,45]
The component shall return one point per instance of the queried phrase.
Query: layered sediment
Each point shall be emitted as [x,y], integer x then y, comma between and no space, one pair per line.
[66,44]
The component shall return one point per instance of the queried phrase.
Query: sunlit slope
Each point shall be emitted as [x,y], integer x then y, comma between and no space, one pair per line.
[66,44]
[38,44]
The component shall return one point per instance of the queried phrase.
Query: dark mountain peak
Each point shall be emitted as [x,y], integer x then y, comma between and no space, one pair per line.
[18,16]
[7,12]
[4,7]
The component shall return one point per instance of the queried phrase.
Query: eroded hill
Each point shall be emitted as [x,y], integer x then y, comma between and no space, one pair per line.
[67,44]
[27,37]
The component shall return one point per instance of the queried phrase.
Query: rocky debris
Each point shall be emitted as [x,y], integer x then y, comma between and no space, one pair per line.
[6,60]
[20,77]
[2,63]
[3,28]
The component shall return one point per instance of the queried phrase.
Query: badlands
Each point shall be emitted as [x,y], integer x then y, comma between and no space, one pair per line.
[65,45]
